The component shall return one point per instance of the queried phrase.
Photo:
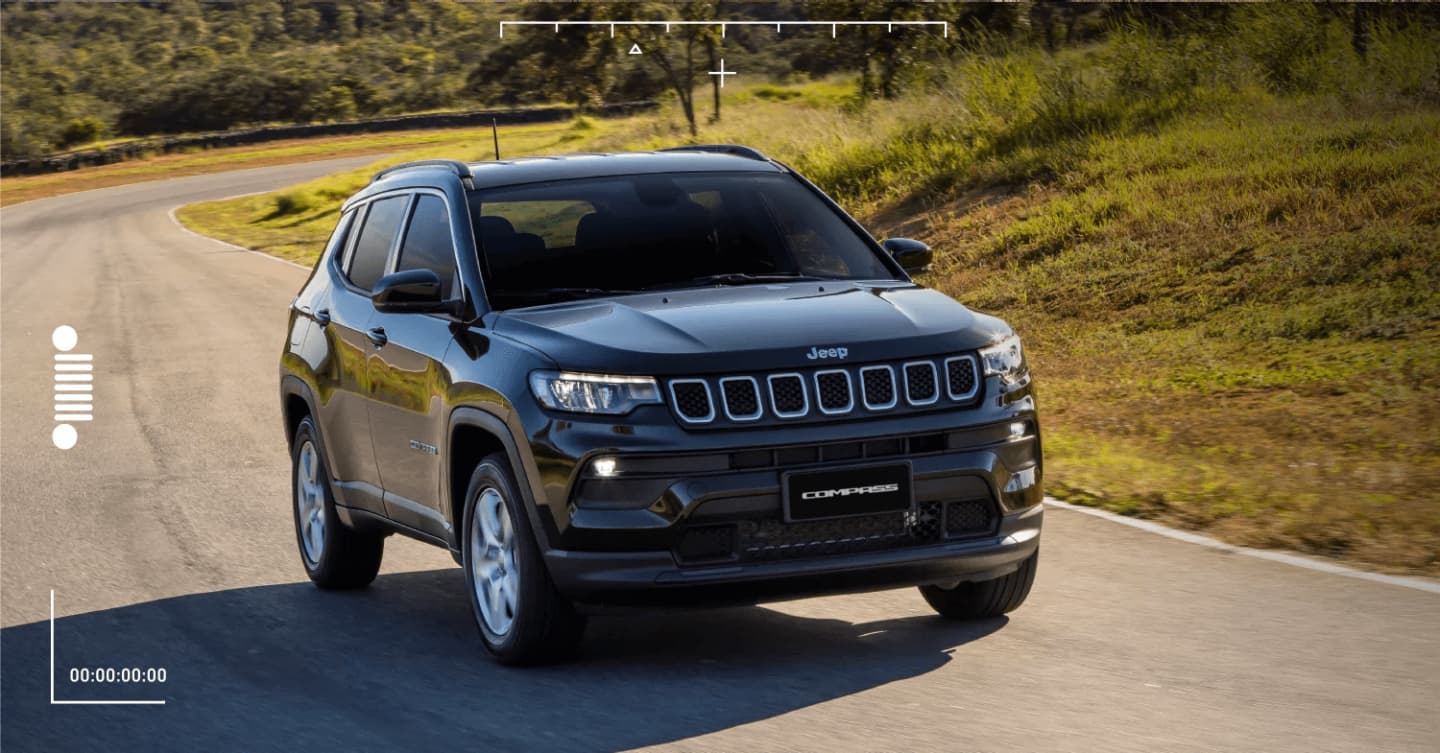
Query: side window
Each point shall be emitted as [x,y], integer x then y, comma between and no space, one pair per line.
[342,233]
[372,248]
[427,242]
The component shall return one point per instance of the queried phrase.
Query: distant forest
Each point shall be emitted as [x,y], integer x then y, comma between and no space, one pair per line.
[75,73]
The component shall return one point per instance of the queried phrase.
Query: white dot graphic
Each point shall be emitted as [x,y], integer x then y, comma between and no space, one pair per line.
[64,338]
[64,436]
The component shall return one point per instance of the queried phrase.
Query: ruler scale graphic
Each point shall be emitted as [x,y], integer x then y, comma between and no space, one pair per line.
[74,390]
[834,25]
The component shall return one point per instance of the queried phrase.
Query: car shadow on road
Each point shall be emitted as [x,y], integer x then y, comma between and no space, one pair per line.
[399,666]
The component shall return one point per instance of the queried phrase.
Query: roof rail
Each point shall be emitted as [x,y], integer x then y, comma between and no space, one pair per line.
[460,169]
[733,149]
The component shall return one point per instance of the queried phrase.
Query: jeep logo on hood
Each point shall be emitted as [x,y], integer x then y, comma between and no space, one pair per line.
[816,354]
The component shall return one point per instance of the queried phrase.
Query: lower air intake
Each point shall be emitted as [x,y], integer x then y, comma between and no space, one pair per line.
[971,517]
[777,540]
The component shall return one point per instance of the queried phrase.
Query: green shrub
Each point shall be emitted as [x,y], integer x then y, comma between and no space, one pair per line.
[82,131]
[770,93]
[294,202]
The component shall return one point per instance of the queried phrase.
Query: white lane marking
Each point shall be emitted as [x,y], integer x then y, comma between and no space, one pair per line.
[1296,560]
[177,223]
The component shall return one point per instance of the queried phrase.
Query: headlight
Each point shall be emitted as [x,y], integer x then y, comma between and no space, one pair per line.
[592,393]
[1005,359]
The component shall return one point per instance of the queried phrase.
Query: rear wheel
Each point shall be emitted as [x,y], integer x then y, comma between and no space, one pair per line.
[986,598]
[334,555]
[522,618]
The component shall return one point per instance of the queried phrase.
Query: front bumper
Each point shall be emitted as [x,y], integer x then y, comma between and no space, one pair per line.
[708,524]
[654,578]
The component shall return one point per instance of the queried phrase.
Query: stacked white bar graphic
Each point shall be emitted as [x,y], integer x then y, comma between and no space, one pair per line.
[74,387]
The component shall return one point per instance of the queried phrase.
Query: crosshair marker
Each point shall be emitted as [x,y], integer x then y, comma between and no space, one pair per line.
[722,73]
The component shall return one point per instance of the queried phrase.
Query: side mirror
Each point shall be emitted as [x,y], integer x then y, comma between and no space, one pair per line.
[414,291]
[914,256]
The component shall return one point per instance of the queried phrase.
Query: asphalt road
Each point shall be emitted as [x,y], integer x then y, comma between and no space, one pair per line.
[166,537]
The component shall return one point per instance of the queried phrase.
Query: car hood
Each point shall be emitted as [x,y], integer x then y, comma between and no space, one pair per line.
[751,327]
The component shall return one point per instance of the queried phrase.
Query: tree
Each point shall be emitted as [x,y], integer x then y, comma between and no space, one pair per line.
[887,56]
[673,50]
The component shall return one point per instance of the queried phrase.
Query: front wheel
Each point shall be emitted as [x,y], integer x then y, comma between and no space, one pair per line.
[986,598]
[522,618]
[334,556]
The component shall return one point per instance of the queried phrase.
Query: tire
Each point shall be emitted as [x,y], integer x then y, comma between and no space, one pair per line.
[334,555]
[522,618]
[986,598]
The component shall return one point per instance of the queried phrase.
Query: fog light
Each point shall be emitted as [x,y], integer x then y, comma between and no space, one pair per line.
[604,467]
[1021,481]
[1017,430]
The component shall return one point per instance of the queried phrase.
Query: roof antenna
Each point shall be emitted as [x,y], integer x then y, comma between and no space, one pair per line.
[495,133]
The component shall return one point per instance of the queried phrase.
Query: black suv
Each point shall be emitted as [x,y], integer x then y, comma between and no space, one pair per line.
[675,377]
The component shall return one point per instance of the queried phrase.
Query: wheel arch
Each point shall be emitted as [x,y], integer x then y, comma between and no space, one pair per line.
[296,402]
[472,435]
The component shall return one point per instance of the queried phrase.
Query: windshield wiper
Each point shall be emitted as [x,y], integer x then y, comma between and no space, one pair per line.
[567,294]
[735,278]
[587,292]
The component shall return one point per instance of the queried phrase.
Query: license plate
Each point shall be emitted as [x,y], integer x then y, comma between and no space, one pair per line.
[848,491]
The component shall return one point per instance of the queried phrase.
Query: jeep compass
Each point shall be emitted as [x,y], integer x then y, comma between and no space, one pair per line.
[666,378]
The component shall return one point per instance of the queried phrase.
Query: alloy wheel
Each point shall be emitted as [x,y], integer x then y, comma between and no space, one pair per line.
[310,503]
[494,569]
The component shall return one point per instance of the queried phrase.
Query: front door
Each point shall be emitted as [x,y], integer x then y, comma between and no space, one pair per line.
[345,386]
[408,378]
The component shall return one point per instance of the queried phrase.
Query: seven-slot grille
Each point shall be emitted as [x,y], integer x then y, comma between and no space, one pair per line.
[835,391]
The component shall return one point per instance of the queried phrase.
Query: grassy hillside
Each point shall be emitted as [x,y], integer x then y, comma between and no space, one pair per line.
[1227,282]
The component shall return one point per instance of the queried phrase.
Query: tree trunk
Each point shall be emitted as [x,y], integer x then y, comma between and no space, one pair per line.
[688,85]
[714,50]
[683,85]
[1360,30]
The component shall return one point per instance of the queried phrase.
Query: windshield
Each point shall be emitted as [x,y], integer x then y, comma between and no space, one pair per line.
[572,239]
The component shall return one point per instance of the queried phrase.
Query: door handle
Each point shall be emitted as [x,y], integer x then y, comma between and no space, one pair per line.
[322,317]
[377,336]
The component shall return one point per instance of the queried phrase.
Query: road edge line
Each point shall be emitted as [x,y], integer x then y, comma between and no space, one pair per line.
[1294,560]
[176,221]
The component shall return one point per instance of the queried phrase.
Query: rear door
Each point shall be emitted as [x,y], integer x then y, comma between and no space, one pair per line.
[408,378]
[346,396]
